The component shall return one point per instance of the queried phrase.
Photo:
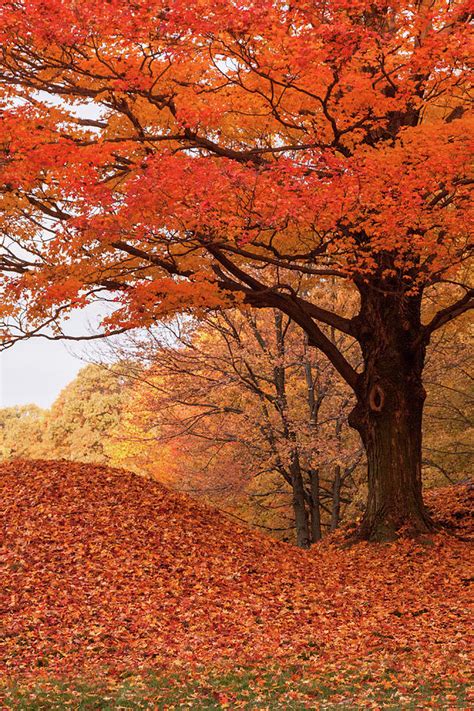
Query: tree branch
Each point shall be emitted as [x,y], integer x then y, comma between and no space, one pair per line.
[328,317]
[450,313]
[260,296]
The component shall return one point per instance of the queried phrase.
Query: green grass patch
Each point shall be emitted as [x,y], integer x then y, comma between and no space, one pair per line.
[292,689]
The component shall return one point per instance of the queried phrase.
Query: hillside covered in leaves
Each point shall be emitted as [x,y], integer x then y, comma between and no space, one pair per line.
[107,574]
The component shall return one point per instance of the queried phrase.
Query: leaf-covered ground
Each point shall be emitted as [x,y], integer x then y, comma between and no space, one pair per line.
[107,576]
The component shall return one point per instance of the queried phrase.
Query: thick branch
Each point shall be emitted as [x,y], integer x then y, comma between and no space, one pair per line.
[270,298]
[328,317]
[450,313]
[152,258]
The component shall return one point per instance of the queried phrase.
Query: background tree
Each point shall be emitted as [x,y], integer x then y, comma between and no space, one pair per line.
[76,426]
[194,154]
[22,432]
[447,447]
[85,411]
[244,410]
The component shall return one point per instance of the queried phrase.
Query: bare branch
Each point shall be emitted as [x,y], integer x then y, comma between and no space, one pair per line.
[450,313]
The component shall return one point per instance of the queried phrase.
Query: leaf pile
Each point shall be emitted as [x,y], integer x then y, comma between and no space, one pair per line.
[107,572]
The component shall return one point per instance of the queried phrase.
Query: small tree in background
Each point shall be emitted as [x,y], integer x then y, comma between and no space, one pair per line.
[239,410]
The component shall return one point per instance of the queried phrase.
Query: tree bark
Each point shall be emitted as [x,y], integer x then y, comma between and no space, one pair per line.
[303,539]
[315,511]
[388,413]
[336,498]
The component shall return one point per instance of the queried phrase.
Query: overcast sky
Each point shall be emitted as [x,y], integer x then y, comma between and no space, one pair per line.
[35,371]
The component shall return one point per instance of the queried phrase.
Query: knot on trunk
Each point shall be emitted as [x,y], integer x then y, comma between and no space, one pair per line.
[376,398]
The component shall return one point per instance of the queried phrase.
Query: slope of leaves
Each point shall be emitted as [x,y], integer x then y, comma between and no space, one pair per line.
[107,572]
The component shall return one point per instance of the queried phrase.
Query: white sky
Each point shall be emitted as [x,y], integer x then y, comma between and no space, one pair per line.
[35,371]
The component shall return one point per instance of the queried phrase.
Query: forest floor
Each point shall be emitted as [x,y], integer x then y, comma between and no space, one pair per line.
[121,594]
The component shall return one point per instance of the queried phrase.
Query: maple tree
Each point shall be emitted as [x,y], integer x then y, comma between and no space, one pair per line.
[202,154]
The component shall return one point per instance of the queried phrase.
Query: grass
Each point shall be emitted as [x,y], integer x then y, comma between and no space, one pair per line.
[290,689]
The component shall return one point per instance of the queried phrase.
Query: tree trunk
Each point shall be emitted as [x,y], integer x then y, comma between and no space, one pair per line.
[303,539]
[336,498]
[388,414]
[315,511]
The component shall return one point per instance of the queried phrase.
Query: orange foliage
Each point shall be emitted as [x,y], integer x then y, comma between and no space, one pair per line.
[267,133]
[105,570]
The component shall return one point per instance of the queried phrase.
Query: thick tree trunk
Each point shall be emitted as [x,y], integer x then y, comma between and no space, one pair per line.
[388,414]
[393,445]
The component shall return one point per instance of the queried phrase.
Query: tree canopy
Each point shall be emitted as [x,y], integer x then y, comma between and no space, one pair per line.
[176,147]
